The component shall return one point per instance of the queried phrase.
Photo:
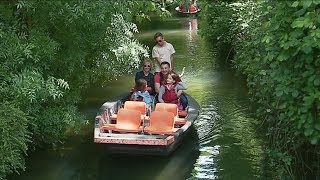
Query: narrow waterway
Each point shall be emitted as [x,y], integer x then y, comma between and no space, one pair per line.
[221,145]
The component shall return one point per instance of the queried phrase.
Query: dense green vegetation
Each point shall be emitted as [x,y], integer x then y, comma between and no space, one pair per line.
[50,52]
[276,45]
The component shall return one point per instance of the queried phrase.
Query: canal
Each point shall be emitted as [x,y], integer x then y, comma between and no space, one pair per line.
[221,145]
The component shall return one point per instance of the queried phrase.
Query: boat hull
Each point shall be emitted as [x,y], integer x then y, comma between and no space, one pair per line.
[185,10]
[141,143]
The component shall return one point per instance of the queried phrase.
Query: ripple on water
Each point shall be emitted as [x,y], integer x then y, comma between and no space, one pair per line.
[225,126]
[206,125]
[206,165]
[208,130]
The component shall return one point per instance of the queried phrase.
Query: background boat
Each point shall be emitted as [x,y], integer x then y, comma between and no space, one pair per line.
[188,8]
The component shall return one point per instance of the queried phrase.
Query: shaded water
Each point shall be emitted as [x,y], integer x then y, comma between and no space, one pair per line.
[221,145]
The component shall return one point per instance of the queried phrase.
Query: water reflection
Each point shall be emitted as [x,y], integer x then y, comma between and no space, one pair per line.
[229,148]
[176,166]
[83,159]
[206,165]
[193,29]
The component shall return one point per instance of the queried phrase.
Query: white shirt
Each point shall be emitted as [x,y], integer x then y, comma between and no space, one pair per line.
[164,53]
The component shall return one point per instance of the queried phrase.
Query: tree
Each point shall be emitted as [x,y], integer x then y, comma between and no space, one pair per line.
[50,51]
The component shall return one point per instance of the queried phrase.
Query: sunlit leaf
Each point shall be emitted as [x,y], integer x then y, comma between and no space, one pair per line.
[295,4]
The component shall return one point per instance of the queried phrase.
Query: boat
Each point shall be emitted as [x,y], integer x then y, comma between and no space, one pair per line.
[124,126]
[188,8]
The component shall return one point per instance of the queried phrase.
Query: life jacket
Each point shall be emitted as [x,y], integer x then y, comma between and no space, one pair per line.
[170,95]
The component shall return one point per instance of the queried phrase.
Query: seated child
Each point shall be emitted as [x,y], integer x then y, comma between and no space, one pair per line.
[171,91]
[140,91]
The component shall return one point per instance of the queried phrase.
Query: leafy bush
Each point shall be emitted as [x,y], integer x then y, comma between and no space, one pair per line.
[14,139]
[216,25]
[53,125]
[51,51]
[276,45]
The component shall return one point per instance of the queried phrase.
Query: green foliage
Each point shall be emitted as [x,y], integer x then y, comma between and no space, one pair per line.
[89,34]
[53,125]
[31,86]
[123,47]
[216,23]
[51,51]
[289,62]
[277,48]
[14,139]
[140,10]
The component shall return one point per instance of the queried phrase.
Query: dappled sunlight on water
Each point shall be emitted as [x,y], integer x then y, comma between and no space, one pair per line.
[228,145]
[206,165]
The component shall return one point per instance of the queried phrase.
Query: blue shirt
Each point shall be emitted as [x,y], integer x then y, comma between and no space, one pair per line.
[145,95]
[149,78]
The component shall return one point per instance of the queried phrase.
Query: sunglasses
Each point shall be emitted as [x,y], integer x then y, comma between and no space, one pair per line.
[147,66]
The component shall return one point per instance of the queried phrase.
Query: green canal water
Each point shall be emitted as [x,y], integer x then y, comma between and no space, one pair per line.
[221,145]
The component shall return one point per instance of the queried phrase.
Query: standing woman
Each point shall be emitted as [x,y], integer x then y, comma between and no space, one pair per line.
[147,75]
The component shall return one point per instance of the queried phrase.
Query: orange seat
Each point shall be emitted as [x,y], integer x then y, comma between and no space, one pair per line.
[161,122]
[167,107]
[127,121]
[136,105]
[173,108]
[133,105]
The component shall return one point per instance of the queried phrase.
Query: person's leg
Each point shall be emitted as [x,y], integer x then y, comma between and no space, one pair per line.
[184,101]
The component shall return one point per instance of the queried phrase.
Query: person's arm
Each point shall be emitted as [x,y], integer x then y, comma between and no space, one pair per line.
[171,59]
[172,51]
[161,92]
[157,87]
[181,86]
[155,54]
[179,93]
[182,73]
[158,60]
[137,77]
[157,83]
[152,82]
[147,98]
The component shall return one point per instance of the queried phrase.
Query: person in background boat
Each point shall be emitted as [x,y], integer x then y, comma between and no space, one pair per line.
[160,79]
[146,74]
[172,90]
[186,7]
[141,92]
[163,51]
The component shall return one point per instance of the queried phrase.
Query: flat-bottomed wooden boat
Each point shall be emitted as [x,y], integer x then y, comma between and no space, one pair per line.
[125,126]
